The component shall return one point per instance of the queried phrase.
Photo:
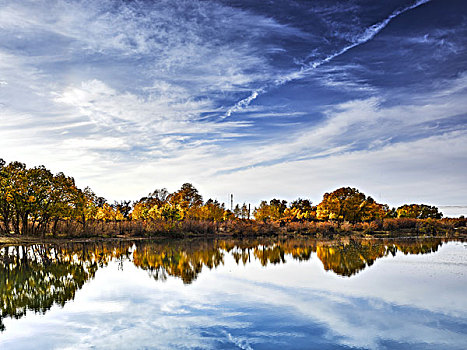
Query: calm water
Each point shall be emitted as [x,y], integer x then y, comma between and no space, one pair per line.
[297,294]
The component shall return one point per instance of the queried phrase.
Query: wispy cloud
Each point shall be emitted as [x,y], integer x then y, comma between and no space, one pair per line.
[167,92]
[141,72]
[367,35]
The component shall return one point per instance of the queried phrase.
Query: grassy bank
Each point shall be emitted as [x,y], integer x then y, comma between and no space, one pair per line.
[134,230]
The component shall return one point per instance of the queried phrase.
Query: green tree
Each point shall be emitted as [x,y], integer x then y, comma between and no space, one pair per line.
[245,213]
[124,207]
[6,197]
[17,195]
[272,211]
[302,209]
[187,196]
[237,211]
[188,199]
[86,207]
[302,204]
[212,210]
[345,203]
[418,211]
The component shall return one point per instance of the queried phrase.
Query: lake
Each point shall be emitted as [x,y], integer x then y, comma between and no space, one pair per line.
[235,294]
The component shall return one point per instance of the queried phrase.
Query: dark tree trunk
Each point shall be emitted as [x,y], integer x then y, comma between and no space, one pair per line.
[54,227]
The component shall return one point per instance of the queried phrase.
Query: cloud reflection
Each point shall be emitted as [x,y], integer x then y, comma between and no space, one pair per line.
[279,296]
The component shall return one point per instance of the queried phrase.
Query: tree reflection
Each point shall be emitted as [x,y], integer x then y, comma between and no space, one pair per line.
[346,260]
[352,257]
[36,277]
[186,259]
[178,260]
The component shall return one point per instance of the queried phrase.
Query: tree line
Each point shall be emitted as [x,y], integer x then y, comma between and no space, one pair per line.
[344,204]
[34,201]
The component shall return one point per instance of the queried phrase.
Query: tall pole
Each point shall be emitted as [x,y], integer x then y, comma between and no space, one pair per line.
[231,202]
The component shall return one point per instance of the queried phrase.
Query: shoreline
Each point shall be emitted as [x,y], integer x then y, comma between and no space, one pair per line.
[19,240]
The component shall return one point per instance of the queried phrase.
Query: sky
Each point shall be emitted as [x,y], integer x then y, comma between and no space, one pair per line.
[261,99]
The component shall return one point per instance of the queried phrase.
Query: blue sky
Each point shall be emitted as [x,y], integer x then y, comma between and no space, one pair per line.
[260,99]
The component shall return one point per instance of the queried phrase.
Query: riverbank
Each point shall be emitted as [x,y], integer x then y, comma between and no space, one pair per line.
[280,233]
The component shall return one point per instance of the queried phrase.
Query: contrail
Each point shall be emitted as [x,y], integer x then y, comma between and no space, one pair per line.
[244,103]
[367,35]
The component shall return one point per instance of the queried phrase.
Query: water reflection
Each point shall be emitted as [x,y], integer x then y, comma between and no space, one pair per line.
[35,277]
[349,258]
[186,259]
